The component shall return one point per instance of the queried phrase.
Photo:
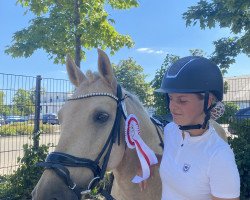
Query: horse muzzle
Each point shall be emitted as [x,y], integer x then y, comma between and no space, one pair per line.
[52,188]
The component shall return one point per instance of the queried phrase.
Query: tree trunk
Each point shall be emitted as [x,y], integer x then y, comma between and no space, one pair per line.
[77,34]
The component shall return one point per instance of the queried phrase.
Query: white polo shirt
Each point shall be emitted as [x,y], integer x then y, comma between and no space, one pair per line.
[193,168]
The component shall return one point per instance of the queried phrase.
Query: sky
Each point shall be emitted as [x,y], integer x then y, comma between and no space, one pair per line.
[156,27]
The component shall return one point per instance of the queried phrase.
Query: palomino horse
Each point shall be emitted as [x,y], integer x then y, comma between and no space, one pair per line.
[90,133]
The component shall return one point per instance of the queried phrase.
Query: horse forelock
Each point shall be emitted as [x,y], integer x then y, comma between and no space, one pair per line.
[92,78]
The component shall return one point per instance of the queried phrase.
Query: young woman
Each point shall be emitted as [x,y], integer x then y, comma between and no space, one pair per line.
[196,164]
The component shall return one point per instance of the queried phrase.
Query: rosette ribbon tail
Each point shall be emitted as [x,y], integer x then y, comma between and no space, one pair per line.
[133,139]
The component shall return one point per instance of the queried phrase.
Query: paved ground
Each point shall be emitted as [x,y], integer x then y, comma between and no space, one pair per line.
[12,147]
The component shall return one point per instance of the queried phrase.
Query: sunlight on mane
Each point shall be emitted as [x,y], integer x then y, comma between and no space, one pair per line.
[136,100]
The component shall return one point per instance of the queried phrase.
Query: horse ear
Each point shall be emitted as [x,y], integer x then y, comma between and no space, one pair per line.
[75,74]
[105,68]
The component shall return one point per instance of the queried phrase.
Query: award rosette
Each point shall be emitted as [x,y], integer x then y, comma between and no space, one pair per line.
[133,139]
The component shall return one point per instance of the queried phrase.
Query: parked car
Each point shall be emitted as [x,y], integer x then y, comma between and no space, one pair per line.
[32,117]
[242,115]
[2,121]
[50,118]
[14,118]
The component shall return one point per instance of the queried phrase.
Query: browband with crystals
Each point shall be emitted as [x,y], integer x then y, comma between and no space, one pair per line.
[92,95]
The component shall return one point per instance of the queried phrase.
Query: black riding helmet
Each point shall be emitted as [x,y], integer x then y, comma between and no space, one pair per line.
[194,74]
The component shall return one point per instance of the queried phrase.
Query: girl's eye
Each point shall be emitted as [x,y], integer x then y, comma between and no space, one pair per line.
[182,101]
[101,117]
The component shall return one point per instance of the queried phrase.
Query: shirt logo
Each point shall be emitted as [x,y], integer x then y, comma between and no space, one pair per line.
[186,167]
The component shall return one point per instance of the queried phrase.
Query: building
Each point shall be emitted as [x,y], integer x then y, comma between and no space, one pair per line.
[238,90]
[51,102]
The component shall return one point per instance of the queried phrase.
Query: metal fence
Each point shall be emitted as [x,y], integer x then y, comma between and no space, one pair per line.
[27,99]
[24,100]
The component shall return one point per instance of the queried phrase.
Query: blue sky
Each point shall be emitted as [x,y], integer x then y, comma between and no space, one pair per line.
[156,27]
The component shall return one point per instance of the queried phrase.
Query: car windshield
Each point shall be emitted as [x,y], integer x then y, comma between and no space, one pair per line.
[13,117]
[52,117]
[244,111]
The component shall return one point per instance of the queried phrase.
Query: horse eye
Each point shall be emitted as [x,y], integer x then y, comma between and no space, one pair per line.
[101,117]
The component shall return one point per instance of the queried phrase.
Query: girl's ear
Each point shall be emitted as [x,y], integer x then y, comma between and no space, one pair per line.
[211,99]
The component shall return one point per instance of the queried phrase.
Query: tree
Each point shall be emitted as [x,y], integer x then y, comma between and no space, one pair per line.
[227,14]
[197,52]
[4,110]
[160,99]
[62,27]
[1,102]
[23,102]
[33,94]
[130,75]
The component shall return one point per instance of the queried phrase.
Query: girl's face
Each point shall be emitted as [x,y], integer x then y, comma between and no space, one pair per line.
[187,109]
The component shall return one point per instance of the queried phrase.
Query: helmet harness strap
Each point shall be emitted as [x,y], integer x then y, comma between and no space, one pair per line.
[207,116]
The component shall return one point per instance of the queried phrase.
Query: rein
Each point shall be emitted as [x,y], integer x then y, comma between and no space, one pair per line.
[158,125]
[58,161]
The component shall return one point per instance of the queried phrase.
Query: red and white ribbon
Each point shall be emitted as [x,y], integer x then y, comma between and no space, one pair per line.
[133,139]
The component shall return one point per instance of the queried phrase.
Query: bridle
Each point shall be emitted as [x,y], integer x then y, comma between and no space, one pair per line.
[58,161]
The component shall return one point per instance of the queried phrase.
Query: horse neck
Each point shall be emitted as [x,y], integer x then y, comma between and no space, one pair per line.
[148,133]
[147,128]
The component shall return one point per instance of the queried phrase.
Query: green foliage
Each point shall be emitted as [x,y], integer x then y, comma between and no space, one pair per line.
[238,126]
[241,148]
[105,184]
[19,185]
[62,27]
[226,49]
[1,98]
[23,102]
[197,52]
[130,75]
[4,110]
[226,14]
[123,4]
[160,99]
[230,109]
[22,128]
[226,87]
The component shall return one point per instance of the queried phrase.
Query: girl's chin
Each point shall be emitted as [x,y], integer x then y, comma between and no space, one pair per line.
[179,121]
[182,123]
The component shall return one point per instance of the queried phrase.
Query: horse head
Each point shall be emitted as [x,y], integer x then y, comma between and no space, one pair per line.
[92,138]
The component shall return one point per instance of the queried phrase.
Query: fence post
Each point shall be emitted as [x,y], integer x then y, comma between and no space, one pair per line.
[36,131]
